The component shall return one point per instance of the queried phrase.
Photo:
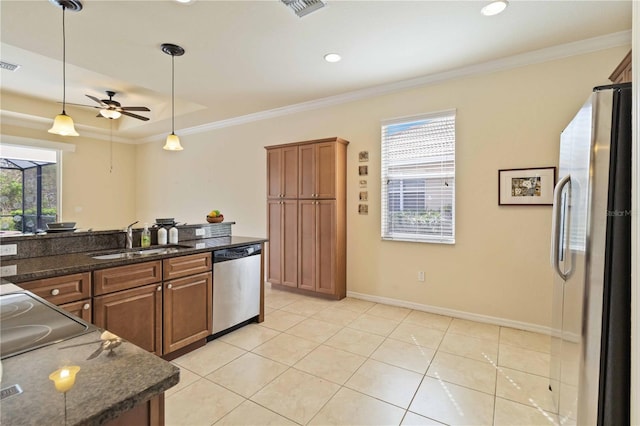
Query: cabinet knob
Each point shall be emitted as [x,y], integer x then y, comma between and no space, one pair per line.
[159,288]
[86,306]
[169,286]
[55,292]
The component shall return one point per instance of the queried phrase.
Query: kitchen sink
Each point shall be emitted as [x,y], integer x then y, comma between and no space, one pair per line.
[138,252]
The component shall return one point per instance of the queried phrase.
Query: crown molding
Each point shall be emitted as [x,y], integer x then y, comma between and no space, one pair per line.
[561,51]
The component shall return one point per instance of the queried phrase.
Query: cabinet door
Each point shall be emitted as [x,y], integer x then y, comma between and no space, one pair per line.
[187,310]
[326,246]
[283,242]
[325,173]
[81,308]
[282,172]
[134,315]
[306,171]
[62,289]
[307,244]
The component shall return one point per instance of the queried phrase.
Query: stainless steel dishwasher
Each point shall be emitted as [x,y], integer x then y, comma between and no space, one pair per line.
[236,287]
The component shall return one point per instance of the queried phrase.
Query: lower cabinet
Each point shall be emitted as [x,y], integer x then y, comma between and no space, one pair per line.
[135,315]
[150,413]
[164,315]
[187,310]
[81,308]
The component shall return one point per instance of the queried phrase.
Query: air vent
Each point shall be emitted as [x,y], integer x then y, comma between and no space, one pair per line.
[304,7]
[7,66]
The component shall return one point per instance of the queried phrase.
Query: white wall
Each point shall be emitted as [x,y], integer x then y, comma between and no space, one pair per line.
[499,264]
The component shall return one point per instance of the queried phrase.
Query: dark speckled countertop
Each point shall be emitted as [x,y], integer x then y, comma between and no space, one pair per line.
[21,270]
[105,386]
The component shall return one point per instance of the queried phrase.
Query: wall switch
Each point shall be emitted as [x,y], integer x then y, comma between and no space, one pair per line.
[8,249]
[200,232]
[8,270]
[421,276]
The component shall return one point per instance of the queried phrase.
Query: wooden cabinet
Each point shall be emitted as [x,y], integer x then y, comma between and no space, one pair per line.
[135,315]
[622,73]
[188,304]
[317,170]
[161,316]
[70,292]
[283,242]
[307,238]
[150,413]
[282,172]
[81,308]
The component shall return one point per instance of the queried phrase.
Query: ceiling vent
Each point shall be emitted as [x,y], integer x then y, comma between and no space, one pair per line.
[304,7]
[7,66]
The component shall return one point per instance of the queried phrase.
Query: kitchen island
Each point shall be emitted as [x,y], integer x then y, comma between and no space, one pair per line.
[127,385]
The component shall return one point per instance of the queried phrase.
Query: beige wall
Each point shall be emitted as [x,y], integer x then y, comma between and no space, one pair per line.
[499,265]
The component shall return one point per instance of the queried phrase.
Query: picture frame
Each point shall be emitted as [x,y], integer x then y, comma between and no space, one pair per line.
[363,156]
[364,196]
[363,183]
[363,170]
[526,187]
[363,208]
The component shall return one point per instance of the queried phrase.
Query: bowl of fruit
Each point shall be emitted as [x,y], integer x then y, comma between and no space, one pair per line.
[215,216]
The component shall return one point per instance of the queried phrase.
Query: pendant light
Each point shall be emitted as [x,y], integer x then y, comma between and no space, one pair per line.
[63,124]
[173,141]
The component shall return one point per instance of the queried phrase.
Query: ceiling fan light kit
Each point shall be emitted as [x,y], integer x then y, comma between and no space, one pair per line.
[110,113]
[173,141]
[62,123]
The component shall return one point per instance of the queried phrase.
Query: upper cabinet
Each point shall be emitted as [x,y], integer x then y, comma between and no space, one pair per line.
[622,73]
[282,172]
[317,170]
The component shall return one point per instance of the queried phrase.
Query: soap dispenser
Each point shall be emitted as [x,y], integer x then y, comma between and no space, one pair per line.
[162,236]
[173,235]
[145,239]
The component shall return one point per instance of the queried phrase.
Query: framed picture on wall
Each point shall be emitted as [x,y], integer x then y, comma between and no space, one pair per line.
[364,196]
[363,183]
[363,156]
[363,208]
[526,187]
[363,170]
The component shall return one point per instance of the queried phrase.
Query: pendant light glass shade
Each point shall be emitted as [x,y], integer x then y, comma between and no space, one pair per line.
[63,124]
[172,143]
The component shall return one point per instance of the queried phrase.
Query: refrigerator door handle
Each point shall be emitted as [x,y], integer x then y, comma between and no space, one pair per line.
[555,226]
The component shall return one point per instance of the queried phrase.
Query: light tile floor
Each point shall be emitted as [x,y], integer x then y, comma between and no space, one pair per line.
[353,362]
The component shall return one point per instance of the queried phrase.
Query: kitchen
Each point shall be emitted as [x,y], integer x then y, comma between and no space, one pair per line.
[141,186]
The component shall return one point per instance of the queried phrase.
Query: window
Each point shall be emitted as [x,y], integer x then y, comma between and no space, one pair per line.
[418,178]
[29,182]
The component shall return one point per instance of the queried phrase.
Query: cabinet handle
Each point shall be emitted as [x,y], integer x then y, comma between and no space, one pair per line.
[159,288]
[55,292]
[169,286]
[86,306]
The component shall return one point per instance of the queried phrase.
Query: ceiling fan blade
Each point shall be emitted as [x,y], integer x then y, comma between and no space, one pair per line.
[93,98]
[139,117]
[135,109]
[82,105]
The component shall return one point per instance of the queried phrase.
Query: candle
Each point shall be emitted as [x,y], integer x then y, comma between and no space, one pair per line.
[64,378]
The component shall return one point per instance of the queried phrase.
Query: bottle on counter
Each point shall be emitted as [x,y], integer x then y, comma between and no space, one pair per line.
[173,235]
[145,239]
[162,236]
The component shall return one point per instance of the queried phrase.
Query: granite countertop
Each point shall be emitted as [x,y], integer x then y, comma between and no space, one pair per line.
[105,386]
[21,270]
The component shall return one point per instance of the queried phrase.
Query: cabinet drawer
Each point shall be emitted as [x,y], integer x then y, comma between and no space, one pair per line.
[126,277]
[64,289]
[183,266]
[81,308]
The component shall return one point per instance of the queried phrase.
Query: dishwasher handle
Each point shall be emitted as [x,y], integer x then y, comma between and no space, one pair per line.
[239,252]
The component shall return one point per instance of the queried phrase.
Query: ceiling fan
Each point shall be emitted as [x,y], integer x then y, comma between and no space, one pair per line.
[113,109]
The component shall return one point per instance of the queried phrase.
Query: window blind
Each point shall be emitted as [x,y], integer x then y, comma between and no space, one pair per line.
[418,178]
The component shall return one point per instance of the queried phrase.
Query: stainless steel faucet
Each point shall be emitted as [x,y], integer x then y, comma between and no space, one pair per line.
[129,232]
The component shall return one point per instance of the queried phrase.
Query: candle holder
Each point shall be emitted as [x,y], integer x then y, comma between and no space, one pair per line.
[64,378]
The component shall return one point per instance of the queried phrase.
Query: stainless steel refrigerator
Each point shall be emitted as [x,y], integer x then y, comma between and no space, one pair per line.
[591,258]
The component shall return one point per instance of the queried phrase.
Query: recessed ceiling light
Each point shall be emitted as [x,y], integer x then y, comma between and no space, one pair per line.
[185,1]
[332,57]
[494,8]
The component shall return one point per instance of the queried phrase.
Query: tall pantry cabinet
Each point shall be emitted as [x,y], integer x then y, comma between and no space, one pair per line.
[306,216]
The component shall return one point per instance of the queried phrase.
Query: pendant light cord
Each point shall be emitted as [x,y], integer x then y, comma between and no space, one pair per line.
[64,66]
[173,91]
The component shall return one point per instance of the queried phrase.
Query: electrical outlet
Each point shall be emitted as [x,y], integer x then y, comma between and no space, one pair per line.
[421,276]
[8,270]
[8,249]
[200,232]
[200,245]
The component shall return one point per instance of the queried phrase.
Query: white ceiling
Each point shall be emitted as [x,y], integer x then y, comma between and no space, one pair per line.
[245,57]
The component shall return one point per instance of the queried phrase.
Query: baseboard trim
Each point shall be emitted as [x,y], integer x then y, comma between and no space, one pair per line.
[536,328]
